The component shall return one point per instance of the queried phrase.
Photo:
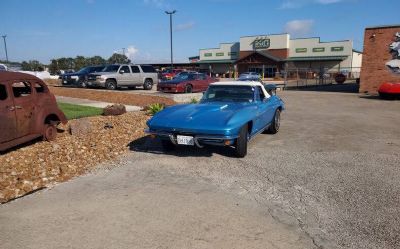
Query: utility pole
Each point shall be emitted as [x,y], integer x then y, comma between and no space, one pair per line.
[170,13]
[5,46]
[123,51]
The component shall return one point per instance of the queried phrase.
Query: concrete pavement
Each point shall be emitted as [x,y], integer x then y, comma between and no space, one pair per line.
[328,179]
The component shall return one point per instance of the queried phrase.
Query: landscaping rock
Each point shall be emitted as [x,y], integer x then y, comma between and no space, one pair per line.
[114,110]
[80,128]
[43,164]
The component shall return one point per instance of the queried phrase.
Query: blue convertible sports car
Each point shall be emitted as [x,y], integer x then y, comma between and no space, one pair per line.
[229,114]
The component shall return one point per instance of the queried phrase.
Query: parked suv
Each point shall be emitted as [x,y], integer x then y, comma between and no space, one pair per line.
[249,76]
[27,110]
[125,75]
[79,78]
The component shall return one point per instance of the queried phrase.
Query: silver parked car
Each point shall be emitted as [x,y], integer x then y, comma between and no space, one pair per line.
[124,75]
[249,76]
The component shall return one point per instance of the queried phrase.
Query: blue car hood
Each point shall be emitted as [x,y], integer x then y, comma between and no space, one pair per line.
[211,117]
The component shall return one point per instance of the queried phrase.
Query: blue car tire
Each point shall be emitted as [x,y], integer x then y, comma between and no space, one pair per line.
[241,142]
[276,122]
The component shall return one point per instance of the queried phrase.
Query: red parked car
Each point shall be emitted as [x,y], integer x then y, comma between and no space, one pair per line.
[186,83]
[27,110]
[389,90]
[170,73]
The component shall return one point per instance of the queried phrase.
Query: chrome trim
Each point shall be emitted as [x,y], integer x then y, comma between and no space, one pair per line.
[196,138]
[171,137]
[258,132]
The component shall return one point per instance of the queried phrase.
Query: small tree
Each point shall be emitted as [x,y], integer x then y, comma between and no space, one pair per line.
[79,62]
[53,67]
[118,58]
[96,60]
[25,66]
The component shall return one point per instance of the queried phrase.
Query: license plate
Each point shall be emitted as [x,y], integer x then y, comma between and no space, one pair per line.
[65,82]
[185,140]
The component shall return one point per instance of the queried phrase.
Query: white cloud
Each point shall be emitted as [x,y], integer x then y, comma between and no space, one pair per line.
[299,28]
[184,26]
[131,52]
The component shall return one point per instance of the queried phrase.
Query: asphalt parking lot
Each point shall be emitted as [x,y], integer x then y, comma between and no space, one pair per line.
[328,179]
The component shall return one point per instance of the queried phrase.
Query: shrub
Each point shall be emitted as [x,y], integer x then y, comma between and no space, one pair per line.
[154,108]
[194,101]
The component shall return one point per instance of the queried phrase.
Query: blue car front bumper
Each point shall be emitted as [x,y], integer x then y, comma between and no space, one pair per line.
[199,139]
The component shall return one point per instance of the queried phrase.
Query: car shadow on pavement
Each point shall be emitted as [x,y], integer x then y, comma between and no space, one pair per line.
[377,97]
[153,145]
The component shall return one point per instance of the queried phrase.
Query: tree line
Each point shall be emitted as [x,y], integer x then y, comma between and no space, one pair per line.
[69,63]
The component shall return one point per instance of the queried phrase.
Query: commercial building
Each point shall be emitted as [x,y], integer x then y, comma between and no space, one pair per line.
[381,57]
[269,55]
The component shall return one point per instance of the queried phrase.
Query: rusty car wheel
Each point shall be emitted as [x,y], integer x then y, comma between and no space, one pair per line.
[50,132]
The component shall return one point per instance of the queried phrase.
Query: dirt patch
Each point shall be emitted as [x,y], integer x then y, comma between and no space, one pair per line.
[41,164]
[112,97]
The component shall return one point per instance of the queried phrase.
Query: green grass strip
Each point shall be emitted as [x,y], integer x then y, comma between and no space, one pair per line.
[72,111]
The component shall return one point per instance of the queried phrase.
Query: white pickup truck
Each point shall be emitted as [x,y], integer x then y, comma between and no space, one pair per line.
[124,75]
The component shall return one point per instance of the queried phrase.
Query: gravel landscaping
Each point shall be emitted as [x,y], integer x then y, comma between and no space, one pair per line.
[41,164]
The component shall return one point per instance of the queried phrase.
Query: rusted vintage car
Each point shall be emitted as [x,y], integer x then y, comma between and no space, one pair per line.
[27,110]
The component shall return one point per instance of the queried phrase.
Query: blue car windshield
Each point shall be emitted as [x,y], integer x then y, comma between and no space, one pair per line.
[229,94]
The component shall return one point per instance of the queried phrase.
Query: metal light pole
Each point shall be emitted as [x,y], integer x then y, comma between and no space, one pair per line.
[170,13]
[5,46]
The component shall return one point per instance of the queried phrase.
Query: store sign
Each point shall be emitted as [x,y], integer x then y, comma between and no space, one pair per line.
[260,43]
[394,64]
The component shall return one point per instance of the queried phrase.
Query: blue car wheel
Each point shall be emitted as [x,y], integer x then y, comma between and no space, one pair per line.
[276,122]
[241,142]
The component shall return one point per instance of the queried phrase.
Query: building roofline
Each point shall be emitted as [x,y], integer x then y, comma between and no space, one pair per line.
[319,39]
[264,35]
[304,38]
[357,51]
[220,45]
[384,26]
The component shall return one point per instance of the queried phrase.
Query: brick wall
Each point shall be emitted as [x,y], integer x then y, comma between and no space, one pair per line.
[376,55]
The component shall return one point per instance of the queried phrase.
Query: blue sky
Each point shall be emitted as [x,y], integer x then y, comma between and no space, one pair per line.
[48,29]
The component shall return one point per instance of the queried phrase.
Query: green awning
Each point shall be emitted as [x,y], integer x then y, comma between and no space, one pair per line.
[317,58]
[216,62]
